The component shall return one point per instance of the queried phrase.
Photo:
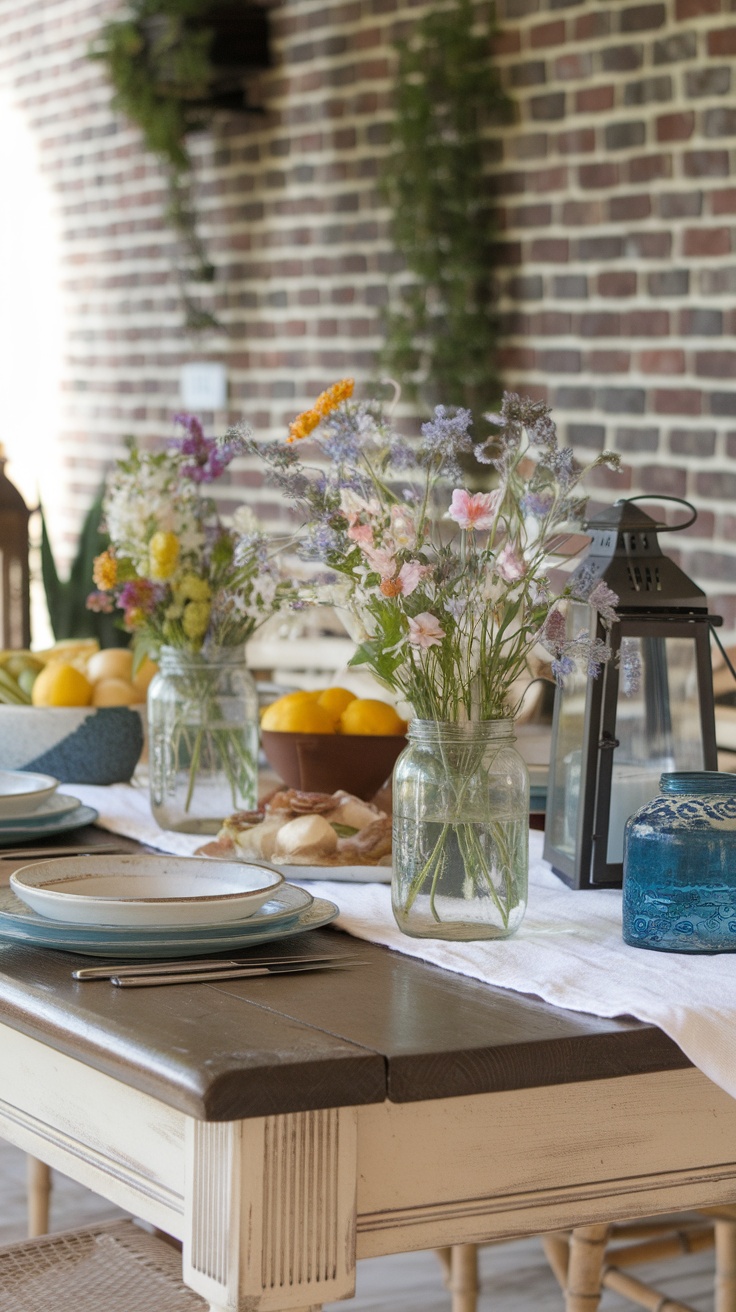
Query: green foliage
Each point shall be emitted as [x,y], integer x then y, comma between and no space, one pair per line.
[66,599]
[441,332]
[157,58]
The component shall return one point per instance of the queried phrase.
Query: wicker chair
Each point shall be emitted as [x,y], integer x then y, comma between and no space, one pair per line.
[592,1258]
[106,1268]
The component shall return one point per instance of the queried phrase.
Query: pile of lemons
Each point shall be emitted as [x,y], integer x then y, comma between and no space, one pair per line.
[334,710]
[86,676]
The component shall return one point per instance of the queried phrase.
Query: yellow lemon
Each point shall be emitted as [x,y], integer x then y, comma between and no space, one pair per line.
[110,663]
[60,684]
[143,676]
[115,692]
[335,700]
[297,713]
[365,715]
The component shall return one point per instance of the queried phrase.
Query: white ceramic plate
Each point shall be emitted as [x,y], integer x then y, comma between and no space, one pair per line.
[144,890]
[290,911]
[21,793]
[340,874]
[52,809]
[23,831]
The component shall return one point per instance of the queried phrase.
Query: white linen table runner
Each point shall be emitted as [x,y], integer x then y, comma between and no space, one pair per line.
[568,951]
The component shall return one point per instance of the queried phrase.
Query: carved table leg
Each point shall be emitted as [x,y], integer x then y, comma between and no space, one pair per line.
[270,1211]
[38,1177]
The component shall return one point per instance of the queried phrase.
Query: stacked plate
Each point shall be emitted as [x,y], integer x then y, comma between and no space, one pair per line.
[154,906]
[30,805]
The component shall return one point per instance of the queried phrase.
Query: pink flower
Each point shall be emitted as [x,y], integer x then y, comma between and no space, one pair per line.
[411,575]
[362,533]
[425,630]
[403,528]
[473,510]
[382,561]
[510,566]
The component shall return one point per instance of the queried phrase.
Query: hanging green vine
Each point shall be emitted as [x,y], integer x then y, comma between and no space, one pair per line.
[160,58]
[441,330]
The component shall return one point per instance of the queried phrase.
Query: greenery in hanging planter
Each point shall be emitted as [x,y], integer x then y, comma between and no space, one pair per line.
[172,64]
[441,327]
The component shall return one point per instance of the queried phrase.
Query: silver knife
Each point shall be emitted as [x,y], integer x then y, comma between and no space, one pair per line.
[91,849]
[200,965]
[244,972]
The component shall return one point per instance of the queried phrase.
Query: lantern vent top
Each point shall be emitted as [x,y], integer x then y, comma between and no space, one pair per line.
[624,553]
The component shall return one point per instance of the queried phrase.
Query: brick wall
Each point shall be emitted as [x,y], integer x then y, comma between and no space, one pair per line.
[617,196]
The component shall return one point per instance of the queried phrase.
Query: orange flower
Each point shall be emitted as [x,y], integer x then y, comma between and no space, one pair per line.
[326,402]
[105,571]
[391,587]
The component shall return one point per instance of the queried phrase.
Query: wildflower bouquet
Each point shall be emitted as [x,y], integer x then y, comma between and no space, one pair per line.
[191,589]
[449,591]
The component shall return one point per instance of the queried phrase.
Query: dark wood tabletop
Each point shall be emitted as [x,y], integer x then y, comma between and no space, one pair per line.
[391,1027]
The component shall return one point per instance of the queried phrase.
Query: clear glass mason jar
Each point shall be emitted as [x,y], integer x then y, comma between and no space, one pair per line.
[460,831]
[203,738]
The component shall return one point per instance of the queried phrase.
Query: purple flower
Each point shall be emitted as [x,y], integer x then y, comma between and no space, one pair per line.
[562,667]
[209,458]
[604,600]
[446,436]
[535,504]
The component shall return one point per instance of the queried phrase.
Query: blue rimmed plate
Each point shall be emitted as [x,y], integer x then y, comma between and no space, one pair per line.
[291,911]
[47,813]
[11,835]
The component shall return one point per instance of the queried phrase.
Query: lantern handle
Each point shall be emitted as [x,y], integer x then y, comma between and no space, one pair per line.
[680,501]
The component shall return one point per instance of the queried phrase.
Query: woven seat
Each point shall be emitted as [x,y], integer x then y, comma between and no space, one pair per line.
[103,1268]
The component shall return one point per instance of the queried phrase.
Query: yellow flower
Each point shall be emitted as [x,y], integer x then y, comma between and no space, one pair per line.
[192,588]
[326,402]
[134,617]
[195,619]
[105,571]
[163,552]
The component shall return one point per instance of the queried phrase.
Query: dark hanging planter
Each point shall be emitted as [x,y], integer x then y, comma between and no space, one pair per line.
[173,65]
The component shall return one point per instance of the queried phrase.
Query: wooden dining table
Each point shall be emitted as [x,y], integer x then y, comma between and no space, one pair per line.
[282,1128]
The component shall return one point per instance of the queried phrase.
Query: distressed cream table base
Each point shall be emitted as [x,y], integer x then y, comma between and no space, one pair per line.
[273,1210]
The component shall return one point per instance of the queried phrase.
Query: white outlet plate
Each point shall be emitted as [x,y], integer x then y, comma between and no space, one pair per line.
[203,385]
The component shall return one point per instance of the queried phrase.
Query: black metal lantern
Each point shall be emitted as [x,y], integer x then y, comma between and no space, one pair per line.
[15,620]
[649,711]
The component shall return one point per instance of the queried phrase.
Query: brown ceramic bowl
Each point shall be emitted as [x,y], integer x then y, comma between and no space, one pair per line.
[323,762]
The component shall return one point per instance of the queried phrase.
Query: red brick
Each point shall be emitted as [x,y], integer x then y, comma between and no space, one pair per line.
[593,177]
[522,358]
[594,100]
[663,479]
[723,202]
[506,43]
[707,241]
[550,250]
[588,26]
[679,401]
[647,168]
[617,282]
[686,9]
[715,364]
[675,127]
[662,362]
[722,42]
[577,141]
[551,179]
[549,323]
[645,323]
[572,67]
[609,362]
[582,213]
[627,209]
[547,34]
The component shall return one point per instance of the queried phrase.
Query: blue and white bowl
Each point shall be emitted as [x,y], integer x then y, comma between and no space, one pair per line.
[80,745]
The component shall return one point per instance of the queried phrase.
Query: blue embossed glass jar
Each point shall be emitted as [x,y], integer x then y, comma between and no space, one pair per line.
[680,866]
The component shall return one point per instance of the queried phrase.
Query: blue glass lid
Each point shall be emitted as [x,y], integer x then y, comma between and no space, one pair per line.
[698,781]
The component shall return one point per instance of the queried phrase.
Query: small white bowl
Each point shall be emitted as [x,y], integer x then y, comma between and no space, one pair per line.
[145,890]
[22,793]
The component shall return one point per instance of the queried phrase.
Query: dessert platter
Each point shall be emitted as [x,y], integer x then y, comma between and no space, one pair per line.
[305,835]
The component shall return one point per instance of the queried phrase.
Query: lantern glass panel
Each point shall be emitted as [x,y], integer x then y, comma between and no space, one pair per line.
[658,725]
[564,796]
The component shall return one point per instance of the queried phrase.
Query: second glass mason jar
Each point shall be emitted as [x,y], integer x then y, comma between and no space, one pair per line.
[460,831]
[203,738]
